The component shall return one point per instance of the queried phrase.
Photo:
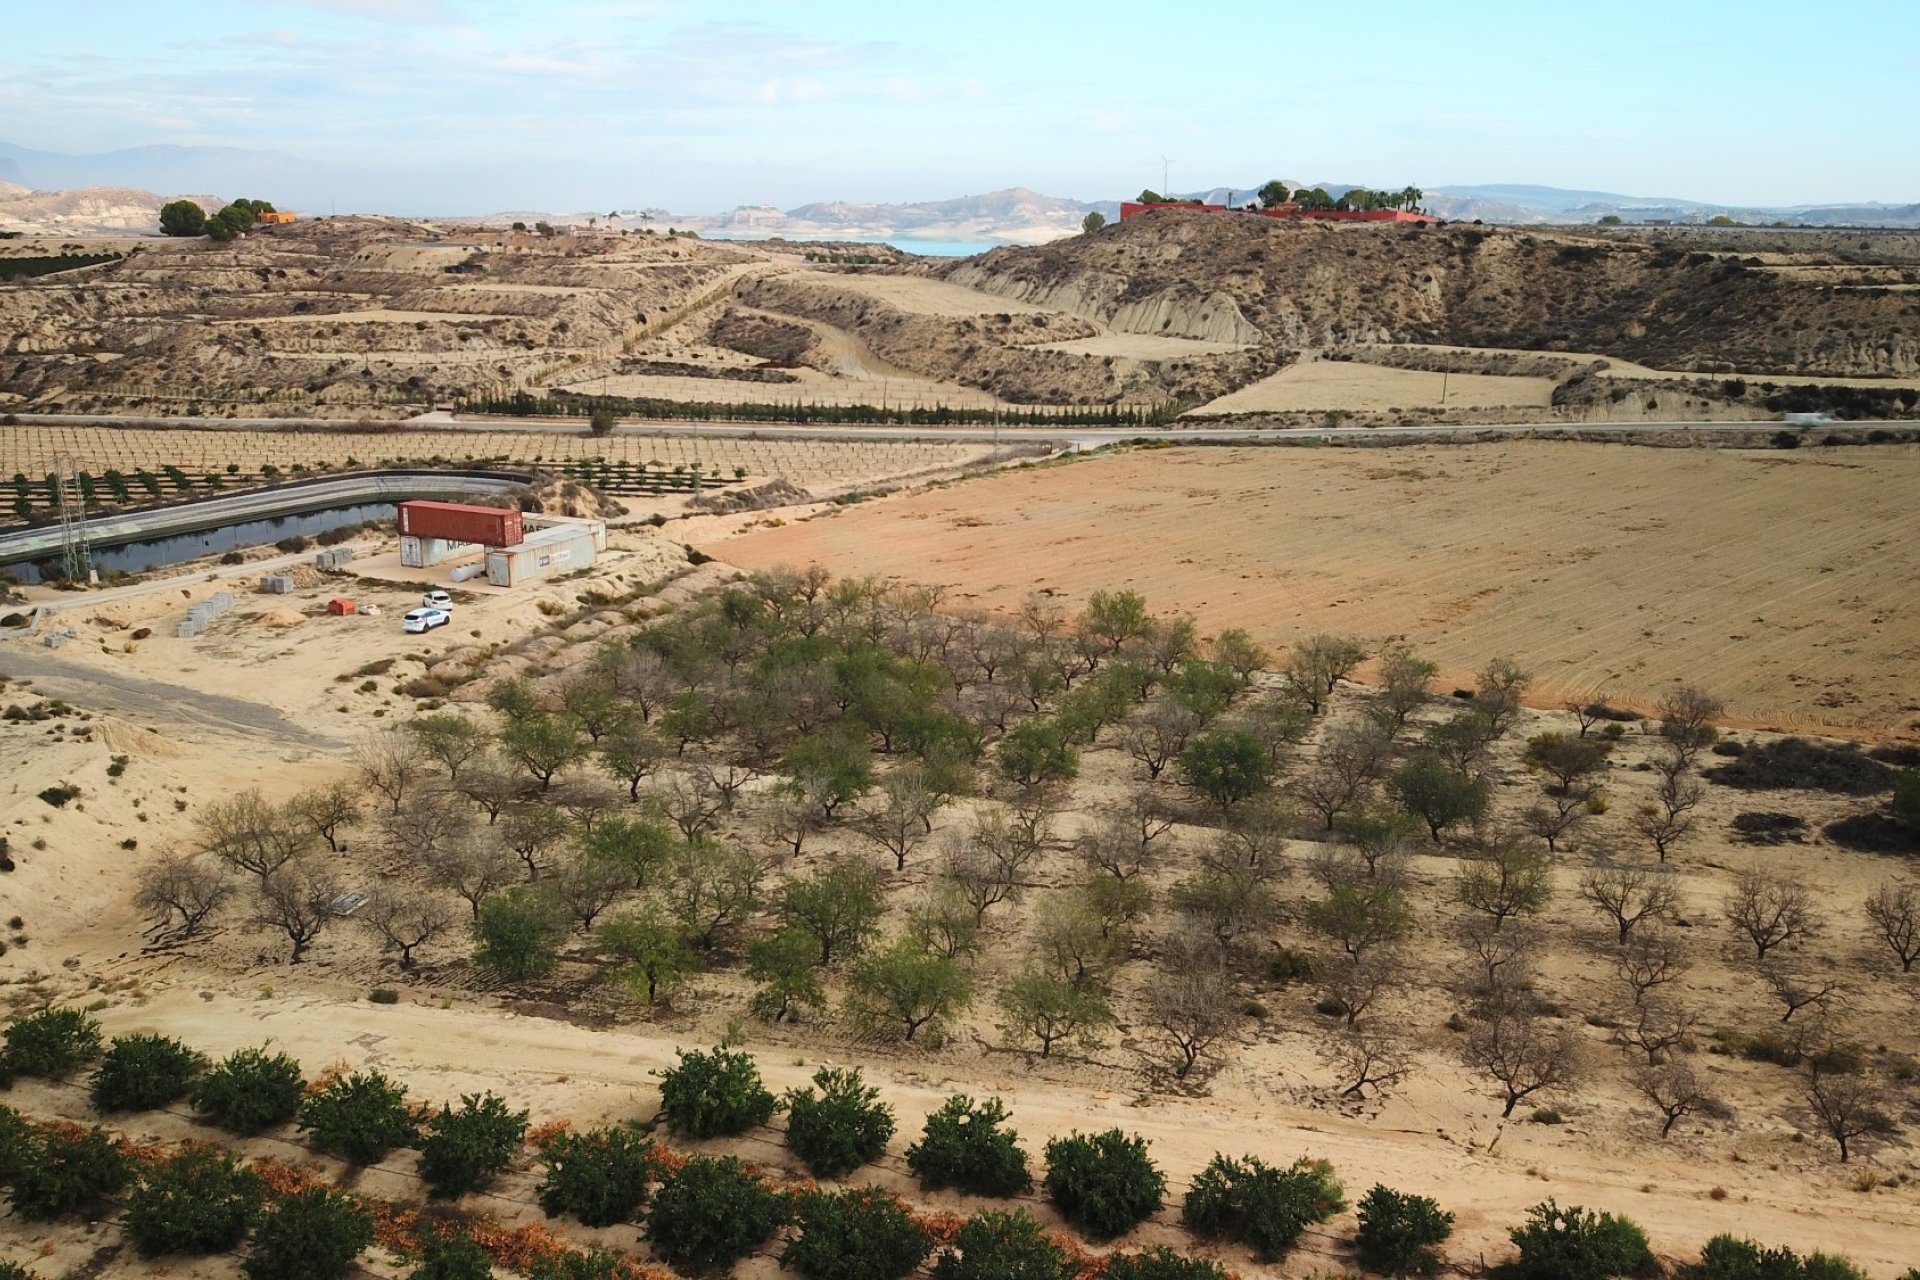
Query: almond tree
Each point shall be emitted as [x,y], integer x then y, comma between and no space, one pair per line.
[1894,912]
[1772,911]
[1627,895]
[1522,1053]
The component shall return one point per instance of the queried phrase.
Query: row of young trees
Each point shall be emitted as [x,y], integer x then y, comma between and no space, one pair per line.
[702,1214]
[639,807]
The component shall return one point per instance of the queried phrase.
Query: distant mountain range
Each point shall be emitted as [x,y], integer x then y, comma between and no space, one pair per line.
[1015,215]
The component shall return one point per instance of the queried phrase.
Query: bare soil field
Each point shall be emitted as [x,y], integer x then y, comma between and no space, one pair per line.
[1780,579]
[1350,385]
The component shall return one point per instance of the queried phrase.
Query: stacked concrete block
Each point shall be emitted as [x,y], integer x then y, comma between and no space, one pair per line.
[276,584]
[199,615]
[334,558]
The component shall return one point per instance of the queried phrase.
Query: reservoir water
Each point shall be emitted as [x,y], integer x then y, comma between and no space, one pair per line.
[159,553]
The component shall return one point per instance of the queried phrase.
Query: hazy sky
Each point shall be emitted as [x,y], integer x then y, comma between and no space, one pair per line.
[468,104]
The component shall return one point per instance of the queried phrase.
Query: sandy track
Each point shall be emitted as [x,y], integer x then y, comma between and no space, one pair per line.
[1325,384]
[1782,582]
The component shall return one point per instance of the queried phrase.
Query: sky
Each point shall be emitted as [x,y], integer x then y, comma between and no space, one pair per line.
[701,105]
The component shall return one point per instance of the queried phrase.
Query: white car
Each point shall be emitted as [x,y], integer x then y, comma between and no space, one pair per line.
[425,619]
[438,600]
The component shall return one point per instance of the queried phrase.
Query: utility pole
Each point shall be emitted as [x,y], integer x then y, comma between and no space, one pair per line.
[1165,165]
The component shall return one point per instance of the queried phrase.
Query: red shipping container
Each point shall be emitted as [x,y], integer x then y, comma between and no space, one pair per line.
[460,522]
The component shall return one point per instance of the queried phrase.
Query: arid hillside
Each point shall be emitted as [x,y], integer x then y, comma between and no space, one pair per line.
[1812,304]
[339,312]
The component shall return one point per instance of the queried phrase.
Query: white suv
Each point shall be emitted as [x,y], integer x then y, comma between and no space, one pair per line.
[425,620]
[438,600]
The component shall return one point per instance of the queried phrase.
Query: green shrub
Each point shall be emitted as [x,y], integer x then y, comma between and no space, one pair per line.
[313,1235]
[964,1147]
[600,1177]
[142,1072]
[1727,1257]
[841,1128]
[1262,1207]
[1804,765]
[1105,1184]
[1578,1244]
[52,1043]
[14,1271]
[251,1091]
[451,1255]
[1398,1232]
[710,1213]
[202,1201]
[992,1245]
[16,1143]
[464,1149]
[1162,1263]
[717,1094]
[359,1117]
[862,1233]
[65,1175]
[517,934]
[594,1264]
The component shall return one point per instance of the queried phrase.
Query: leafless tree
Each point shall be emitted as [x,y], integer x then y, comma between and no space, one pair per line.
[1656,1027]
[1686,721]
[1225,900]
[1365,1059]
[327,808]
[1650,959]
[1794,988]
[1159,732]
[1193,1007]
[1352,757]
[1127,840]
[587,884]
[905,816]
[693,802]
[989,862]
[249,833]
[1667,819]
[391,763]
[297,900]
[425,823]
[1522,1052]
[406,918]
[1848,1106]
[637,674]
[1894,912]
[475,868]
[789,819]
[1627,894]
[1503,957]
[1772,911]
[1676,1091]
[532,832]
[1255,835]
[1557,814]
[493,786]
[1358,983]
[180,884]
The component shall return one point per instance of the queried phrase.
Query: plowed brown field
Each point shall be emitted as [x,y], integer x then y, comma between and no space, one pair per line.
[1783,582]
